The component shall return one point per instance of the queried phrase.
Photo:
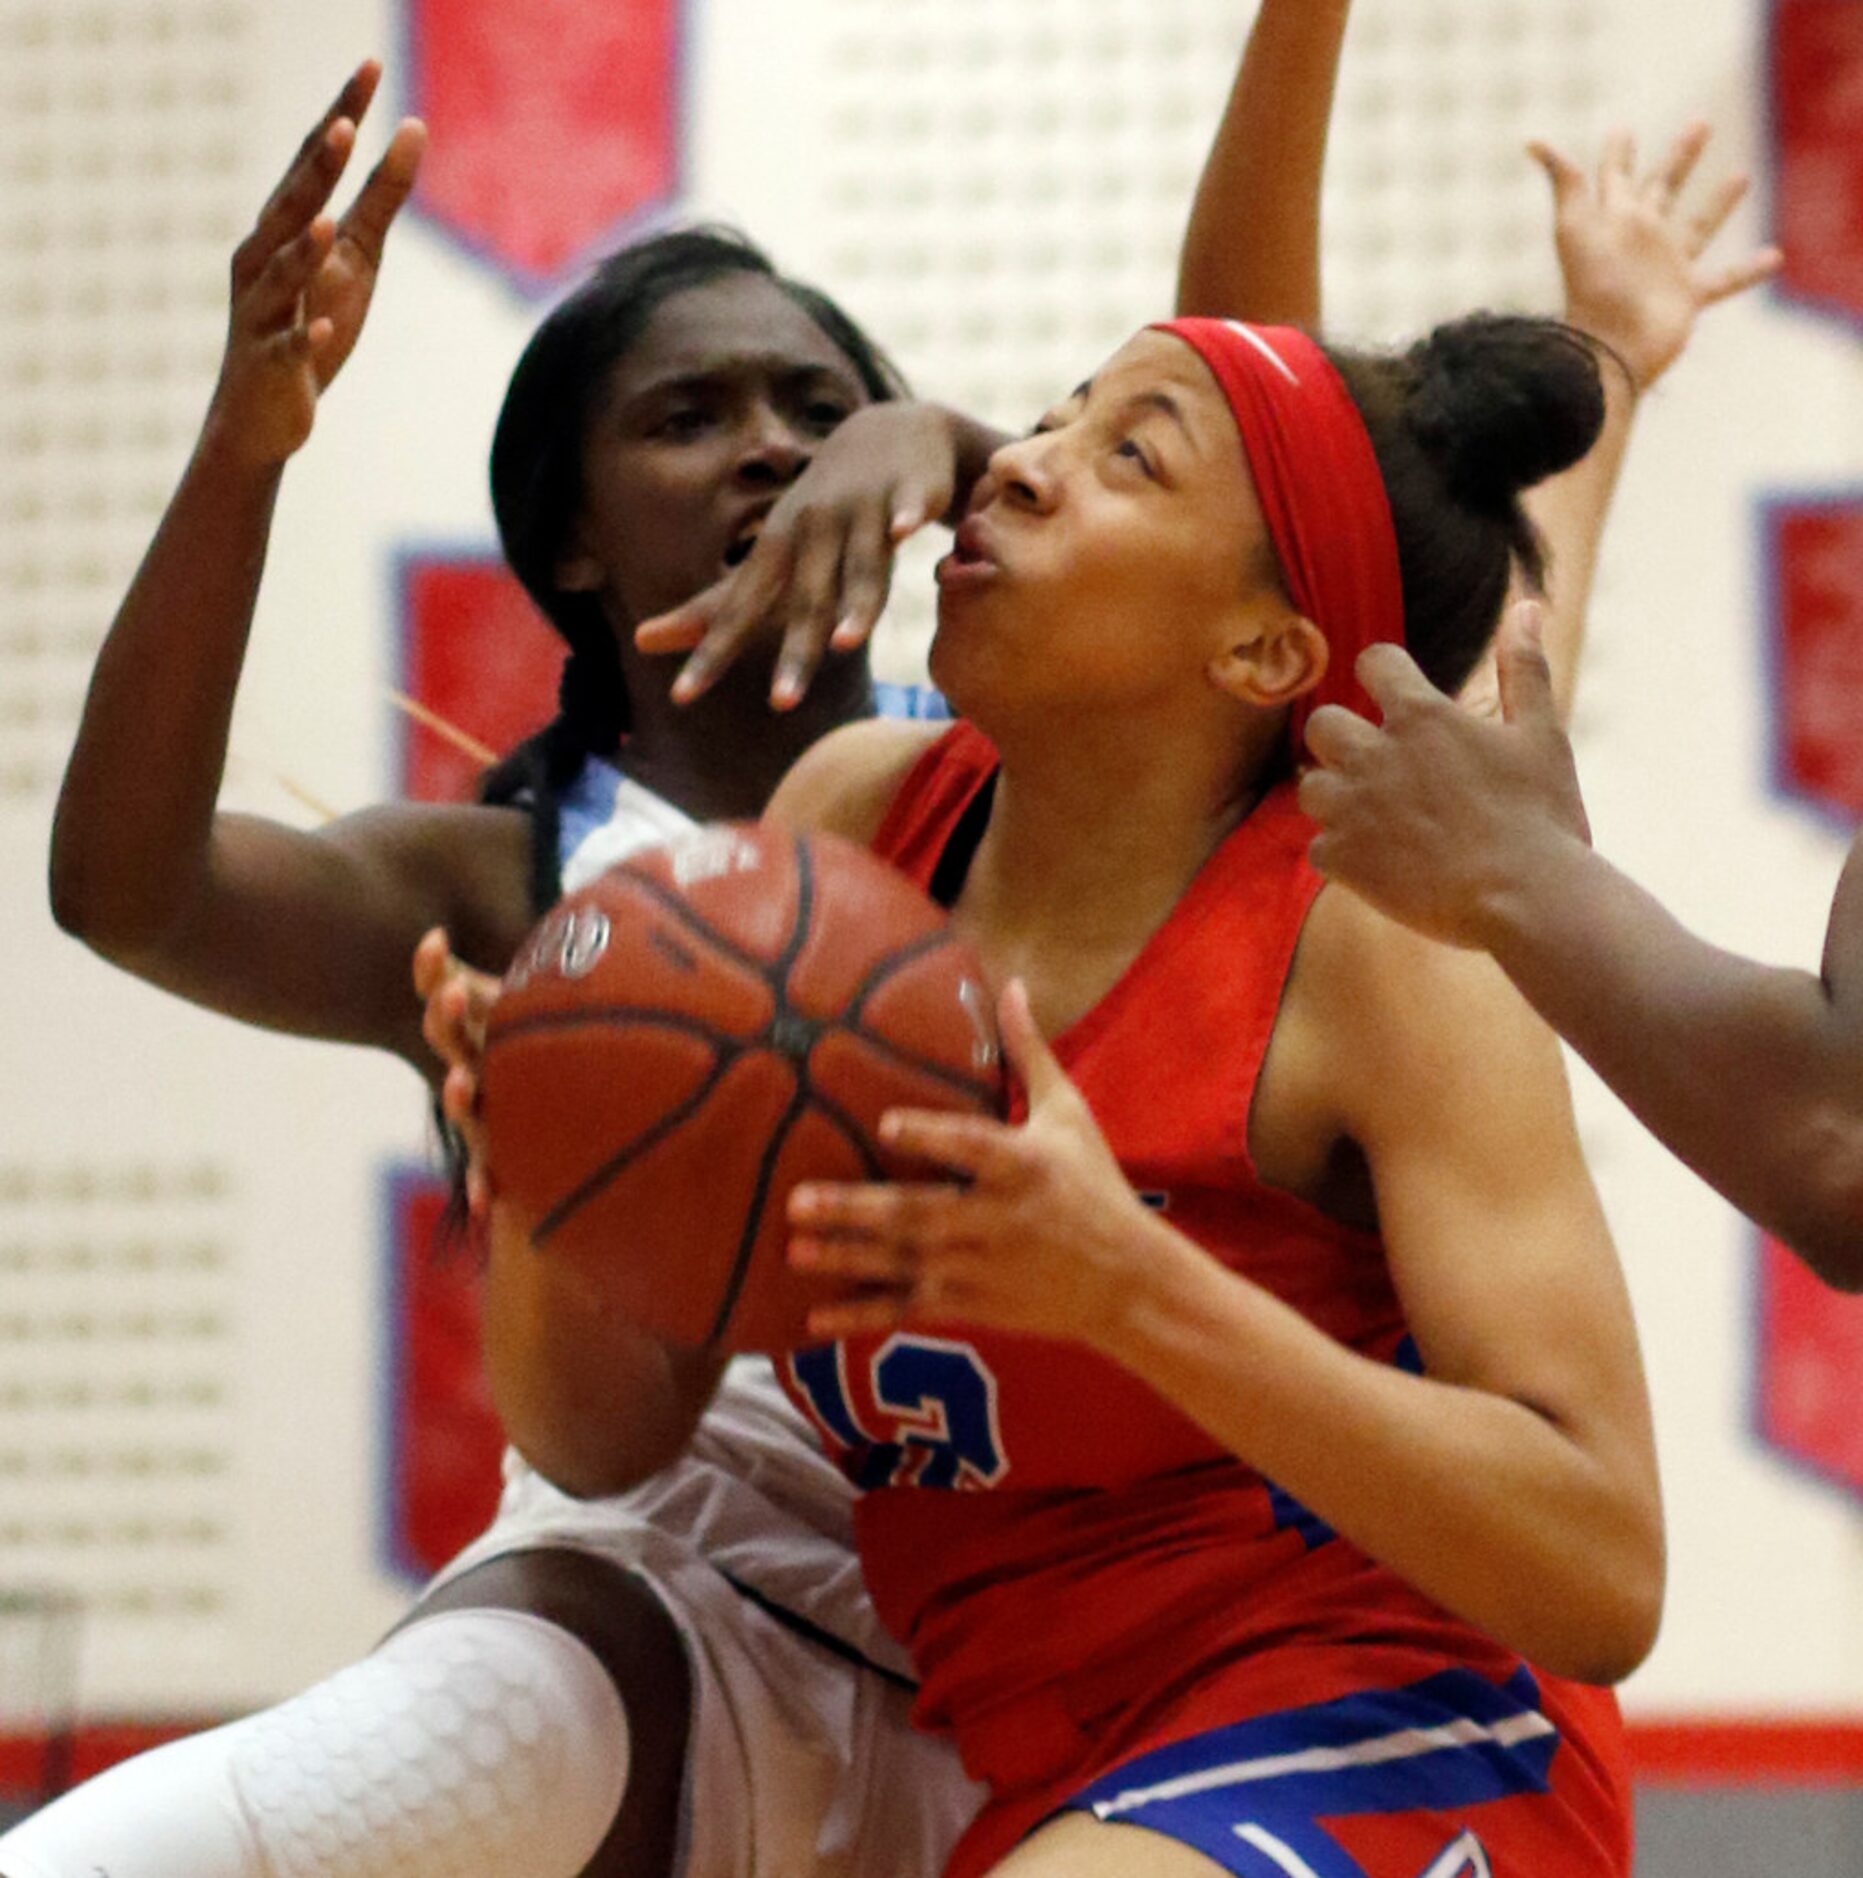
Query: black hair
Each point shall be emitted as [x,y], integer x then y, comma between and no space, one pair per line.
[1470,416]
[536,473]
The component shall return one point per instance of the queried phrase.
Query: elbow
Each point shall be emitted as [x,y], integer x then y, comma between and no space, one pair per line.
[1615,1617]
[1826,1228]
[109,923]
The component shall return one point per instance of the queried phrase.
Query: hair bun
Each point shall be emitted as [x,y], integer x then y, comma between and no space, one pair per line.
[1502,402]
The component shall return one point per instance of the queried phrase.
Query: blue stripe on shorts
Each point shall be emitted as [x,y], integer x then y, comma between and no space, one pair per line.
[1251,1795]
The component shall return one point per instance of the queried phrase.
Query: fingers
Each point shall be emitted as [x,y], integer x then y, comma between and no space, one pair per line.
[272,301]
[1026,1050]
[433,959]
[731,614]
[313,171]
[1339,737]
[1671,176]
[1526,682]
[1617,166]
[1712,217]
[390,183]
[866,577]
[1394,679]
[810,605]
[1567,178]
[1323,795]
[970,1145]
[1724,283]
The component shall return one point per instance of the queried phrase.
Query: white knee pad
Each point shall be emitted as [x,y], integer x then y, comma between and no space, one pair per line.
[474,1744]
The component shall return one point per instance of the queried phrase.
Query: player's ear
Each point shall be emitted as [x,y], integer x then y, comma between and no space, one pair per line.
[1273,659]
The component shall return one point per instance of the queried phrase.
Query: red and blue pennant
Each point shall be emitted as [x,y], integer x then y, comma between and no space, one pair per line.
[557,125]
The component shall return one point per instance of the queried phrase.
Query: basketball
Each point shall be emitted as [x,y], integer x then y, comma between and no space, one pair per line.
[708,1023]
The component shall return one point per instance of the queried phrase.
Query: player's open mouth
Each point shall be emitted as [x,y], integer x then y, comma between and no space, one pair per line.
[738,552]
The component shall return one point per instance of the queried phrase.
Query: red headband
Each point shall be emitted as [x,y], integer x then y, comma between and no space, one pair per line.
[1321,493]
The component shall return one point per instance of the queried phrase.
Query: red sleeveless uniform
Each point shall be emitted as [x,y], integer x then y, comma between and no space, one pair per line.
[1081,1574]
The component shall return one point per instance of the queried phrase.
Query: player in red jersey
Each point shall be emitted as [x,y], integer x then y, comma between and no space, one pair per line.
[1276,1512]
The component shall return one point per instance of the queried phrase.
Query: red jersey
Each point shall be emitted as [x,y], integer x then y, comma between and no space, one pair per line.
[1080,1572]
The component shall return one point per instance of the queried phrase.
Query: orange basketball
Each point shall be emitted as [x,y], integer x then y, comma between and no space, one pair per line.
[686,1038]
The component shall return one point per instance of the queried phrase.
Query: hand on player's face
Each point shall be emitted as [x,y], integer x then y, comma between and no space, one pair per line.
[1632,255]
[821,568]
[302,281]
[1438,815]
[458,1001]
[1040,1232]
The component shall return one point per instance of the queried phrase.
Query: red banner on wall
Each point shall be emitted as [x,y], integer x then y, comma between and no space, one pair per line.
[555,122]
[1817,126]
[444,1436]
[1816,554]
[1811,1359]
[477,653]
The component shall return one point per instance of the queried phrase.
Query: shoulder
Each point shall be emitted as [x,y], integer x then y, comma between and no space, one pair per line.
[844,784]
[1408,1027]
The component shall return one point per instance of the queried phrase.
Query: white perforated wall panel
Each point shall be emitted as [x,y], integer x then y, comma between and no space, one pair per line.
[120,197]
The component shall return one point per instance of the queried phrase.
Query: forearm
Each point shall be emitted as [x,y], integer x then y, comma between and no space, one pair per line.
[135,815]
[1482,1503]
[1252,250]
[1570,512]
[594,1404]
[1751,1074]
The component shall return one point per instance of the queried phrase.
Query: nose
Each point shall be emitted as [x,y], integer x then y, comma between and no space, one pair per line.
[772,452]
[1023,473]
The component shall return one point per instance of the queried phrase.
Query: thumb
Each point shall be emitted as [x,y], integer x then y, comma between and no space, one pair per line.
[1025,1049]
[1526,677]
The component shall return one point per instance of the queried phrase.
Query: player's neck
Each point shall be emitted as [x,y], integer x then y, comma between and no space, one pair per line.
[720,758]
[1093,839]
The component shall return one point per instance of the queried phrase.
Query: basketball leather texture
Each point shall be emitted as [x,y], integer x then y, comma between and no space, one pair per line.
[697,1030]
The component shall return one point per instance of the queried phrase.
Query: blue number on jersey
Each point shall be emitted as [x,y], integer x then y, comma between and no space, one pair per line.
[939,1401]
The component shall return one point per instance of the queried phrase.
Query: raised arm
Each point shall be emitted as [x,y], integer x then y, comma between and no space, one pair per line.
[1252,250]
[1631,254]
[300,931]
[1475,831]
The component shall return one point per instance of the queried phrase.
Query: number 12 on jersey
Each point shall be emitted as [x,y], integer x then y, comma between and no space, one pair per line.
[928,1418]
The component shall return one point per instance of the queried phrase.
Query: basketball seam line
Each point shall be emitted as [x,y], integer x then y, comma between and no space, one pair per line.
[884,1046]
[753,1214]
[616,1016]
[896,961]
[670,902]
[839,1118]
[766,1169]
[604,1175]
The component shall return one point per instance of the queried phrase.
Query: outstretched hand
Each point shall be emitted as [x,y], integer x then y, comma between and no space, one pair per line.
[302,280]
[822,567]
[1633,255]
[458,1001]
[1037,1228]
[1438,816]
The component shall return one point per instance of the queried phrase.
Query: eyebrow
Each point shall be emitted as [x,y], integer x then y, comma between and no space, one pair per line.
[1147,400]
[784,370]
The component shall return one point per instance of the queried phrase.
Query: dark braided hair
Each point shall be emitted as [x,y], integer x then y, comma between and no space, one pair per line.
[537,455]
[1461,423]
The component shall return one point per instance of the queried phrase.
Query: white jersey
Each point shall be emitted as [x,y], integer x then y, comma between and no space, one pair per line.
[803,1761]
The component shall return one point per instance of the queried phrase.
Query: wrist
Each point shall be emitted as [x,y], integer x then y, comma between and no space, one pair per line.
[224,449]
[1525,906]
[1145,1320]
